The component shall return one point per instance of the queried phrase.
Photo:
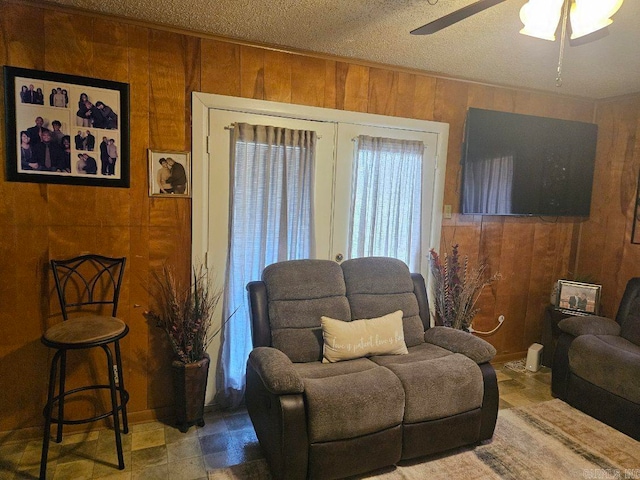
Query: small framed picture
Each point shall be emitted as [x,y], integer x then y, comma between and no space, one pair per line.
[169,173]
[66,129]
[578,298]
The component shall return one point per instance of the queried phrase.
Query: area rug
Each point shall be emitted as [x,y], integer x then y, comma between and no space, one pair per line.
[517,365]
[548,440]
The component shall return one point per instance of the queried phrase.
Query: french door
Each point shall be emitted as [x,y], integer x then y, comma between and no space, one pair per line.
[336,155]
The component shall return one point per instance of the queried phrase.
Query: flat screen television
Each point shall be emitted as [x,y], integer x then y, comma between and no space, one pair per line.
[525,165]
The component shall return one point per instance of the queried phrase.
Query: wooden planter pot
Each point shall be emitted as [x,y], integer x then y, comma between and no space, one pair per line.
[190,386]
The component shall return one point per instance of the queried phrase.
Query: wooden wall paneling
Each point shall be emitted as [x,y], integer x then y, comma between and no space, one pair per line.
[406,95]
[167,88]
[220,67]
[308,81]
[481,96]
[21,37]
[193,73]
[593,254]
[139,93]
[425,95]
[110,61]
[252,72]
[277,76]
[383,91]
[68,43]
[352,87]
[630,261]
[331,83]
[451,108]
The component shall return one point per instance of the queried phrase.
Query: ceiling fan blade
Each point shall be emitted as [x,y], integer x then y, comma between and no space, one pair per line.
[454,17]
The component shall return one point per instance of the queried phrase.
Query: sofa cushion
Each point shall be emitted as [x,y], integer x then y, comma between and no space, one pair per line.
[299,292]
[609,362]
[439,388]
[417,353]
[376,286]
[362,338]
[352,405]
[325,370]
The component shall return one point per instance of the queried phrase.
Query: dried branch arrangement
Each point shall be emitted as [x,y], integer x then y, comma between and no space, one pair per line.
[184,312]
[456,288]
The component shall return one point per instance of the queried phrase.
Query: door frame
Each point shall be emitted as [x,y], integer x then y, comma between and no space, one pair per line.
[202,102]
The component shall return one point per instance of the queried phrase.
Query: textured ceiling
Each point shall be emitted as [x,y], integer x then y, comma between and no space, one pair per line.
[485,48]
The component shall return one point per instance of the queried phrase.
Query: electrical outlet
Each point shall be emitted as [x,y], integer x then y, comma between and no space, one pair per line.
[447,211]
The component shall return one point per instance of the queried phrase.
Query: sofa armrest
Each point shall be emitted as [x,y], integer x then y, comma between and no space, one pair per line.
[589,325]
[457,341]
[276,371]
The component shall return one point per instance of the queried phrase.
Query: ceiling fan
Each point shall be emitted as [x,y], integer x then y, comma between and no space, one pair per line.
[540,17]
[589,19]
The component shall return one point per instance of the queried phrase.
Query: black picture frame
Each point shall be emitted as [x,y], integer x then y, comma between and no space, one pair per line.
[86,161]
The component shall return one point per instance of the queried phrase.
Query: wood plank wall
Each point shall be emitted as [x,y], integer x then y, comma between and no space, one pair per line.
[40,222]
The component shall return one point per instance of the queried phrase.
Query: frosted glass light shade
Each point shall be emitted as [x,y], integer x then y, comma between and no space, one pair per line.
[588,16]
[540,18]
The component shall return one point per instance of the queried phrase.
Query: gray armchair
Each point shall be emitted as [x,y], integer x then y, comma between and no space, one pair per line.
[596,366]
[332,420]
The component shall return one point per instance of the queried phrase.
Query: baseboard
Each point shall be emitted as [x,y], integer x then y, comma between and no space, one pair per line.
[164,414]
[507,357]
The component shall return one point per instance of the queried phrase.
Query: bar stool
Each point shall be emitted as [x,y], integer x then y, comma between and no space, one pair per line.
[81,282]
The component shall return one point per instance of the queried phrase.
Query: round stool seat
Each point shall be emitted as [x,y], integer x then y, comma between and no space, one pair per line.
[85,330]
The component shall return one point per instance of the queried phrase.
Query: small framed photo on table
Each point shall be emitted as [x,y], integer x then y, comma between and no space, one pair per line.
[169,173]
[577,298]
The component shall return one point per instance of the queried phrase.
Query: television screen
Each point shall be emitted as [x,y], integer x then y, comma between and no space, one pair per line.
[516,164]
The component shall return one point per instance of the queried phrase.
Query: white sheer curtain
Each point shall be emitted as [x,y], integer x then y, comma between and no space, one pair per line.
[487,185]
[386,199]
[271,220]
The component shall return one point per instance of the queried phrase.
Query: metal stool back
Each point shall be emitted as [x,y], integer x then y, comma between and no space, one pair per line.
[81,283]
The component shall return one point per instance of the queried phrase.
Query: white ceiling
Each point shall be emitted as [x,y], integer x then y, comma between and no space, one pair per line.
[486,47]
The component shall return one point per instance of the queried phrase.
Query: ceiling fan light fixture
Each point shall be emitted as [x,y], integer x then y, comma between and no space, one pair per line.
[588,16]
[540,18]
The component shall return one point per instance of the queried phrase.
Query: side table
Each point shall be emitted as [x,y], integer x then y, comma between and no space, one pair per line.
[550,333]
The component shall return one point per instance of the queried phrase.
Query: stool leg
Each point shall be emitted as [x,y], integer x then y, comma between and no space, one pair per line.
[114,406]
[63,378]
[47,416]
[123,399]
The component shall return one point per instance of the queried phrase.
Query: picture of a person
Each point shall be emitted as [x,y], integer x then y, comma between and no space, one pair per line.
[86,164]
[35,132]
[112,150]
[57,134]
[104,156]
[162,177]
[27,162]
[89,141]
[79,140]
[48,154]
[178,178]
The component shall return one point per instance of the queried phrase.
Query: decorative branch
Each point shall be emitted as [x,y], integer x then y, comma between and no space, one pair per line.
[457,288]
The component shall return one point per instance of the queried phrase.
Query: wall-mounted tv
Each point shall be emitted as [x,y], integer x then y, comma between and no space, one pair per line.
[516,164]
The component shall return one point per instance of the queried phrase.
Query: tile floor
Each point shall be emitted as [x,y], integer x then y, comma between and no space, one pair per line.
[156,450]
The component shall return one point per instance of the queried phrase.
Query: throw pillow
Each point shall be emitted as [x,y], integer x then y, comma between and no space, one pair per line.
[363,338]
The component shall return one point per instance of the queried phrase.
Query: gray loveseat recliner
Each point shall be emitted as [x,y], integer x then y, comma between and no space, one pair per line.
[596,364]
[332,420]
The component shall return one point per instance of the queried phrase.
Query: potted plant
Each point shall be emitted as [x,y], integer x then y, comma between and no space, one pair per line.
[456,288]
[184,313]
